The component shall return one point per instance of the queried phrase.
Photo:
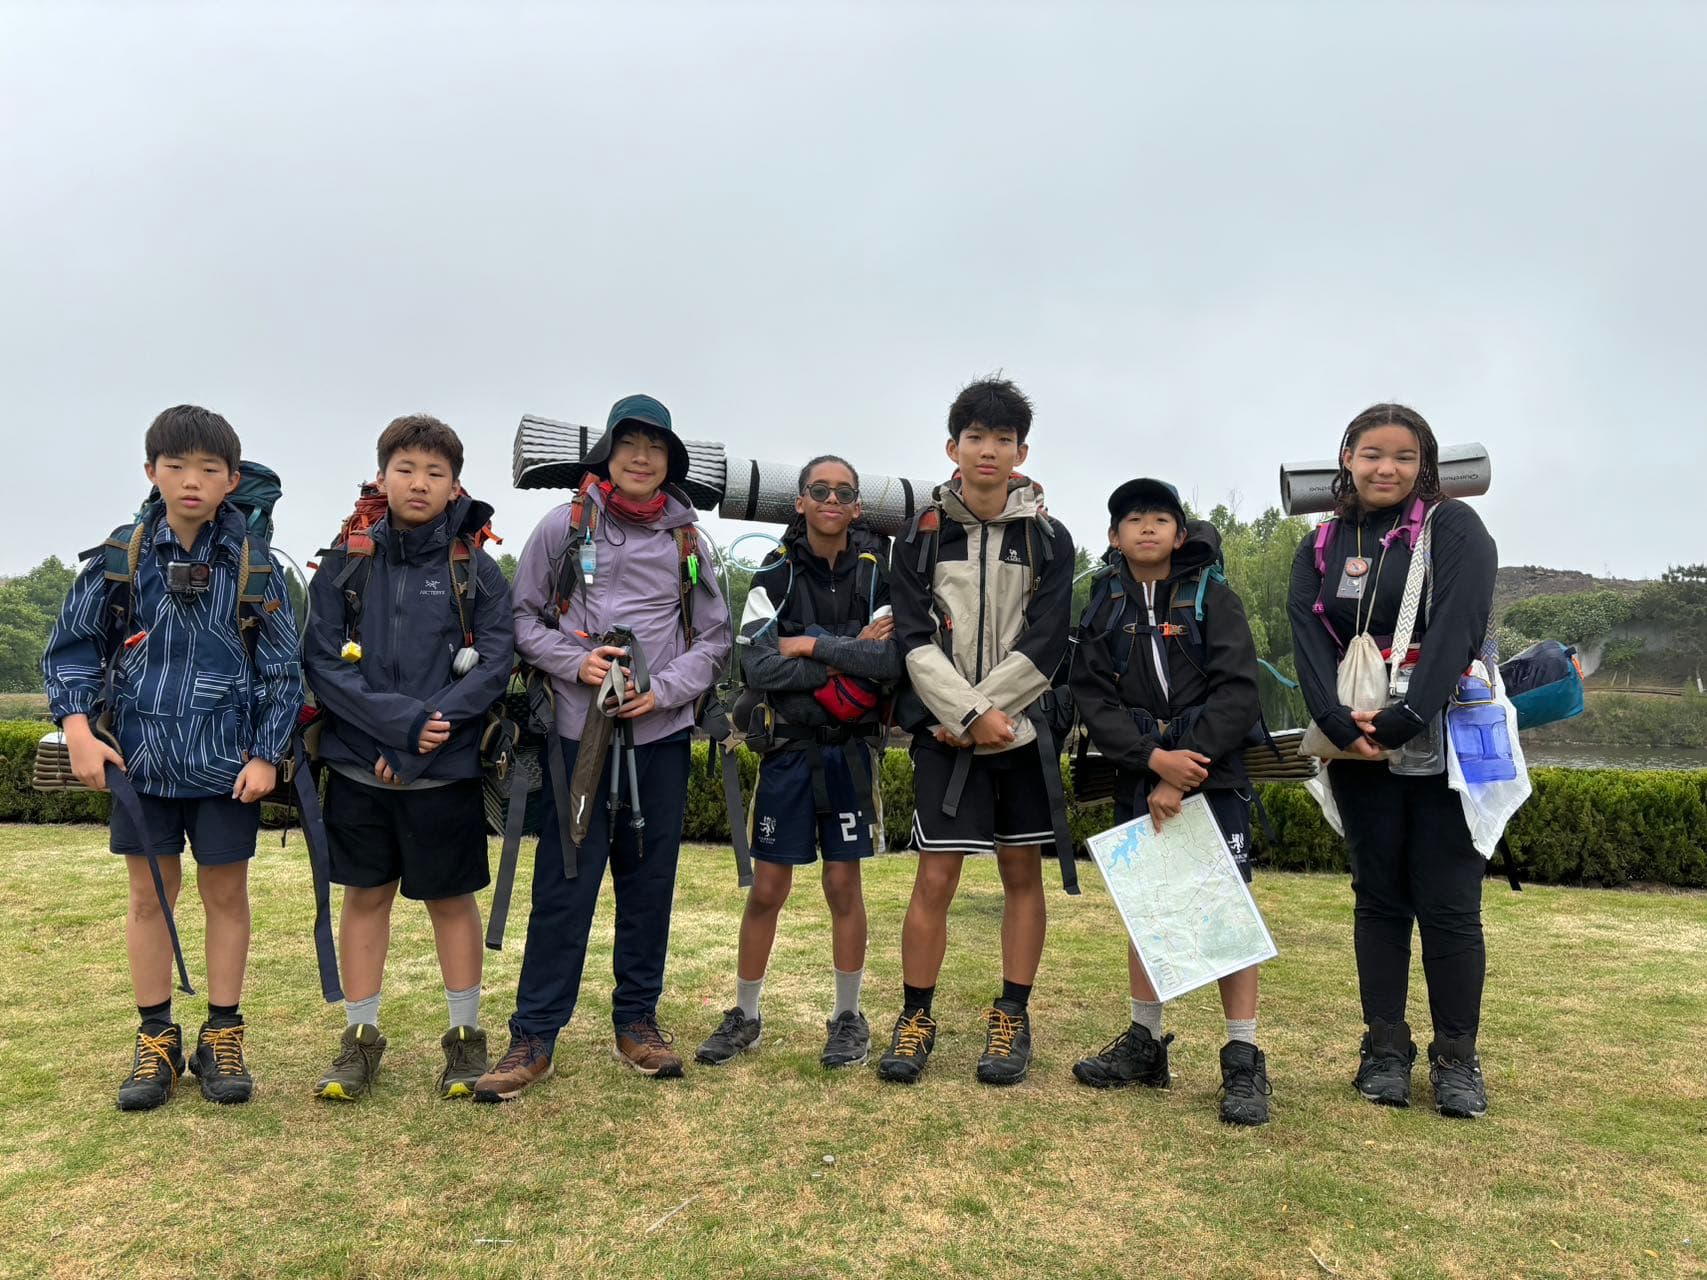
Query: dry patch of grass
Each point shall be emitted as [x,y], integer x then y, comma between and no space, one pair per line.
[1590,1165]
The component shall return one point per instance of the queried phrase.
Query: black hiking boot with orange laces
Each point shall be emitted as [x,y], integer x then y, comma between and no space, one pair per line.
[154,1070]
[218,1064]
[1007,1044]
[909,1047]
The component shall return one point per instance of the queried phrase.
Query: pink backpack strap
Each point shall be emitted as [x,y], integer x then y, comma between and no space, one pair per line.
[1324,535]
[1410,528]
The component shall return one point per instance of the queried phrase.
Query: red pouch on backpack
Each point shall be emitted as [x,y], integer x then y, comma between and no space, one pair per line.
[847,698]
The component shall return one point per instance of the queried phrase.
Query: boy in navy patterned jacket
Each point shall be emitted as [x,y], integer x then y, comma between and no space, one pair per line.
[201,722]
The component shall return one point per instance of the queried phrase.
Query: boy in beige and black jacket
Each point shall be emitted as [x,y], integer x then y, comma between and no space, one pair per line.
[982,609]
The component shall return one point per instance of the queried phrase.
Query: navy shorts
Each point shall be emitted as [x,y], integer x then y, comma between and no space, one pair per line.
[220,830]
[432,839]
[784,824]
[1003,803]
[1232,810]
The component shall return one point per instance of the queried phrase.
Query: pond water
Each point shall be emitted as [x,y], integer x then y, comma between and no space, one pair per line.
[1564,755]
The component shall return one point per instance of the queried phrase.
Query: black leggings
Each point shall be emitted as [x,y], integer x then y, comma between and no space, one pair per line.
[1412,859]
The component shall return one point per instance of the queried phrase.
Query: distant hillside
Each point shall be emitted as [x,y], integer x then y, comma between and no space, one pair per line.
[1520,582]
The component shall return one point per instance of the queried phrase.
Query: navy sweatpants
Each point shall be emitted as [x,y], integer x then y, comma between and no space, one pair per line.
[644,878]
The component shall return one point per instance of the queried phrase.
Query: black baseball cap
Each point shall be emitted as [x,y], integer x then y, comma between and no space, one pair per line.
[1146,494]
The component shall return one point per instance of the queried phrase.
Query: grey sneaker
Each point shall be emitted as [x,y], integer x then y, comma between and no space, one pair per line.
[849,1042]
[1455,1071]
[736,1034]
[465,1061]
[352,1071]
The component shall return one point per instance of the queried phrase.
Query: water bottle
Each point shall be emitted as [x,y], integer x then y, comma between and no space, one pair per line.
[1423,756]
[1480,733]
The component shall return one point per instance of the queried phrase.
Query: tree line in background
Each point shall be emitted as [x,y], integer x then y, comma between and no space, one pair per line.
[1258,556]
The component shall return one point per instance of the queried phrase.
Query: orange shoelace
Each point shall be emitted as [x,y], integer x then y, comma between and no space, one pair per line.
[1003,1028]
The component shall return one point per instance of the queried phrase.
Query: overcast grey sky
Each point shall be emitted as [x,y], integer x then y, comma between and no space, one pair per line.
[1201,237]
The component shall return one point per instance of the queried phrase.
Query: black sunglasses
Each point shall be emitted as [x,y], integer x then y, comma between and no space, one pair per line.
[846,494]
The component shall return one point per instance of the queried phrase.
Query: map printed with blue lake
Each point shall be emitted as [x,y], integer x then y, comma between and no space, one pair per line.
[1186,907]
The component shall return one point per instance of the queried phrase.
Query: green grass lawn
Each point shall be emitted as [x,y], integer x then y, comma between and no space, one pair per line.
[1591,1163]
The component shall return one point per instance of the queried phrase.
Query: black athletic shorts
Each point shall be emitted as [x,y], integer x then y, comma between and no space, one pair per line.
[1003,802]
[433,839]
[784,824]
[1232,810]
[220,830]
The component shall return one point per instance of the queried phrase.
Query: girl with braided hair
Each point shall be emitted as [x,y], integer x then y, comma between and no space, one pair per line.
[1412,859]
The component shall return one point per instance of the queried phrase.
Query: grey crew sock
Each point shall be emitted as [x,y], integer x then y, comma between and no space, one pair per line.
[847,992]
[464,1006]
[1244,1029]
[1148,1014]
[360,1011]
[747,995]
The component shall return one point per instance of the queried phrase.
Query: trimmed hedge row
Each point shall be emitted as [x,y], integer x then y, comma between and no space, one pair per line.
[1582,826]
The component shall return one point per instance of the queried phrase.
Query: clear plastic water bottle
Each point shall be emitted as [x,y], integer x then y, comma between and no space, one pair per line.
[1424,755]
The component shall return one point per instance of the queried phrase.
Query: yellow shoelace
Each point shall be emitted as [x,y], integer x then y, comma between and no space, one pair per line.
[913,1033]
[154,1052]
[1003,1028]
[227,1046]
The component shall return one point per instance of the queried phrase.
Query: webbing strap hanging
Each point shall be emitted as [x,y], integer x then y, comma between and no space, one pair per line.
[124,795]
[320,872]
[1050,759]
[514,820]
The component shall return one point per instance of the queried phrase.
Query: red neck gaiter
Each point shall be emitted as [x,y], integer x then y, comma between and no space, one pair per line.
[620,504]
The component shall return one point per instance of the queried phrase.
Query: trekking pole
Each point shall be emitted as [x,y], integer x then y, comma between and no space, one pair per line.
[614,801]
[636,819]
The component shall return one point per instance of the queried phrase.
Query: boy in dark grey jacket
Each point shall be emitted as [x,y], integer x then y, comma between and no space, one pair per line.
[411,639]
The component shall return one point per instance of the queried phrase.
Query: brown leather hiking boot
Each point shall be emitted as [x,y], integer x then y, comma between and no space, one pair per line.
[644,1047]
[526,1063]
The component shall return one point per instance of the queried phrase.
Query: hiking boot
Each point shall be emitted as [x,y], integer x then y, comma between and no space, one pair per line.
[526,1062]
[644,1047]
[352,1071]
[1244,1084]
[154,1069]
[218,1064]
[1132,1057]
[1384,1070]
[1007,1044]
[849,1041]
[734,1035]
[1455,1071]
[465,1061]
[909,1048]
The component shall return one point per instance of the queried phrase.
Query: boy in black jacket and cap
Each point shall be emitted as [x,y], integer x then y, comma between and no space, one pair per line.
[1171,700]
[405,653]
